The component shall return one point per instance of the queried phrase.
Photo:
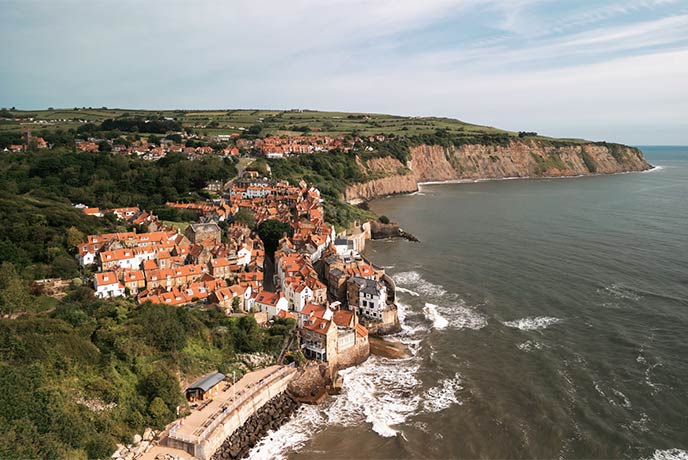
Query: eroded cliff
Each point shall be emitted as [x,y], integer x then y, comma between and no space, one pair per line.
[518,158]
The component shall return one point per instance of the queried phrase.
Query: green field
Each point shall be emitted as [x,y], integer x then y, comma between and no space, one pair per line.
[214,122]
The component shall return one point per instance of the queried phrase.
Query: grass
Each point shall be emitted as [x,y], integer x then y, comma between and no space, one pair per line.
[280,122]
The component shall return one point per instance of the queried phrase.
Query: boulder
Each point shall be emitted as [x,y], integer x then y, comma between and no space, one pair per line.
[137,438]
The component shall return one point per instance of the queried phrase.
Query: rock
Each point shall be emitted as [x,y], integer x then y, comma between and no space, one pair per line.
[148,435]
[137,438]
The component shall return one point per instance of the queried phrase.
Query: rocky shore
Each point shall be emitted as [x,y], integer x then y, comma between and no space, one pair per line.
[380,231]
[269,417]
[387,349]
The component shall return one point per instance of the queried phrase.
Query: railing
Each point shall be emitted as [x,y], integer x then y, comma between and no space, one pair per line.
[227,409]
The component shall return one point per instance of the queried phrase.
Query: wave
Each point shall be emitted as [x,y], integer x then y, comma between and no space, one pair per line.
[670,454]
[444,395]
[619,291]
[529,345]
[653,169]
[625,402]
[408,291]
[532,323]
[289,437]
[412,280]
[431,314]
[379,392]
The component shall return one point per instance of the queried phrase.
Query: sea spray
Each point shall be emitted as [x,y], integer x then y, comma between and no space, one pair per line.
[532,323]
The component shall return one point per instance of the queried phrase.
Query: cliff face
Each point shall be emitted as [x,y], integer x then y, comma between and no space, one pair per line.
[529,158]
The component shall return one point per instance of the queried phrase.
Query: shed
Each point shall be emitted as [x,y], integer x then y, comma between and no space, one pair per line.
[204,388]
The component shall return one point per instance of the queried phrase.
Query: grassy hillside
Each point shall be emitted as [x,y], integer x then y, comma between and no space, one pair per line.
[215,122]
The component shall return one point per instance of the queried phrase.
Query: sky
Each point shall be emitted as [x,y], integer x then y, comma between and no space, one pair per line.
[600,70]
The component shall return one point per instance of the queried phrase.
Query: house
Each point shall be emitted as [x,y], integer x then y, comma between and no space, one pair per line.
[204,388]
[319,339]
[368,296]
[133,280]
[224,298]
[271,303]
[220,267]
[198,233]
[107,285]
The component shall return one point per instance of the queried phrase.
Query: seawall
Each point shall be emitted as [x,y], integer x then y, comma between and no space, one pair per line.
[270,416]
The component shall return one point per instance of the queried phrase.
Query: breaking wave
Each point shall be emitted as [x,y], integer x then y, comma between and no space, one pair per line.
[532,323]
[431,314]
[362,399]
[413,281]
[438,398]
[408,291]
[670,454]
[444,310]
[289,437]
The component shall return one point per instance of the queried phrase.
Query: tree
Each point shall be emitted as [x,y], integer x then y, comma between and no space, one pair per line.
[384,219]
[159,412]
[235,304]
[254,130]
[74,237]
[14,296]
[161,383]
[271,231]
[246,217]
[104,146]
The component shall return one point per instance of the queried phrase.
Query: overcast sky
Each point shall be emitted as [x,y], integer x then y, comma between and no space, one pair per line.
[601,70]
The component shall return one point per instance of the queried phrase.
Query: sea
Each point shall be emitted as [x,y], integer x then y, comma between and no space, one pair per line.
[547,318]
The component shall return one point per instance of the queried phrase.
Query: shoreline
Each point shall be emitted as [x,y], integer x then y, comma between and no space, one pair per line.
[494,179]
[358,201]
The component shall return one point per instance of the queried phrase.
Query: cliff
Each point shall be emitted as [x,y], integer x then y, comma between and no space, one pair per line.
[518,158]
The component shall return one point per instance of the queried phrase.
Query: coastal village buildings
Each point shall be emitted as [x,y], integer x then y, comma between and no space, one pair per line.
[318,278]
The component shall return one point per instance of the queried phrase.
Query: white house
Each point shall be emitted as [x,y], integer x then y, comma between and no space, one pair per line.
[271,303]
[244,256]
[369,296]
[298,294]
[107,285]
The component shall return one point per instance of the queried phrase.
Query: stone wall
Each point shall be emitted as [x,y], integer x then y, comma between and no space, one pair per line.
[269,417]
[354,355]
[389,324]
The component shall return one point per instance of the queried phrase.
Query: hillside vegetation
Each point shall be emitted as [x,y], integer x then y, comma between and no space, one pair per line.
[264,122]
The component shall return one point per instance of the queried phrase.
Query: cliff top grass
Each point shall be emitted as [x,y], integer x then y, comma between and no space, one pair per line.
[272,122]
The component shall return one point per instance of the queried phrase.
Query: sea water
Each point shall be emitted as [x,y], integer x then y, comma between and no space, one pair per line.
[546,318]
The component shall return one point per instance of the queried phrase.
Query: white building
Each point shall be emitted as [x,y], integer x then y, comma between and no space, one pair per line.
[271,303]
[107,285]
[369,296]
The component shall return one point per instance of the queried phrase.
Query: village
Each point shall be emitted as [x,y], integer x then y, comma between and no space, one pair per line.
[317,278]
[195,145]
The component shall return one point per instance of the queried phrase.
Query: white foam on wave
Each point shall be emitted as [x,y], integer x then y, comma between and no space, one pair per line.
[529,345]
[653,169]
[380,392]
[444,395]
[408,291]
[670,454]
[532,323]
[625,402]
[431,314]
[289,437]
[412,280]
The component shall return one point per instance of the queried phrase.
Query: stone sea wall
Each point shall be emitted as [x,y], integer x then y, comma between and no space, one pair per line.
[270,416]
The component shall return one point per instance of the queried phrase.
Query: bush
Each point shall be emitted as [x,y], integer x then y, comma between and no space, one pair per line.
[384,219]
